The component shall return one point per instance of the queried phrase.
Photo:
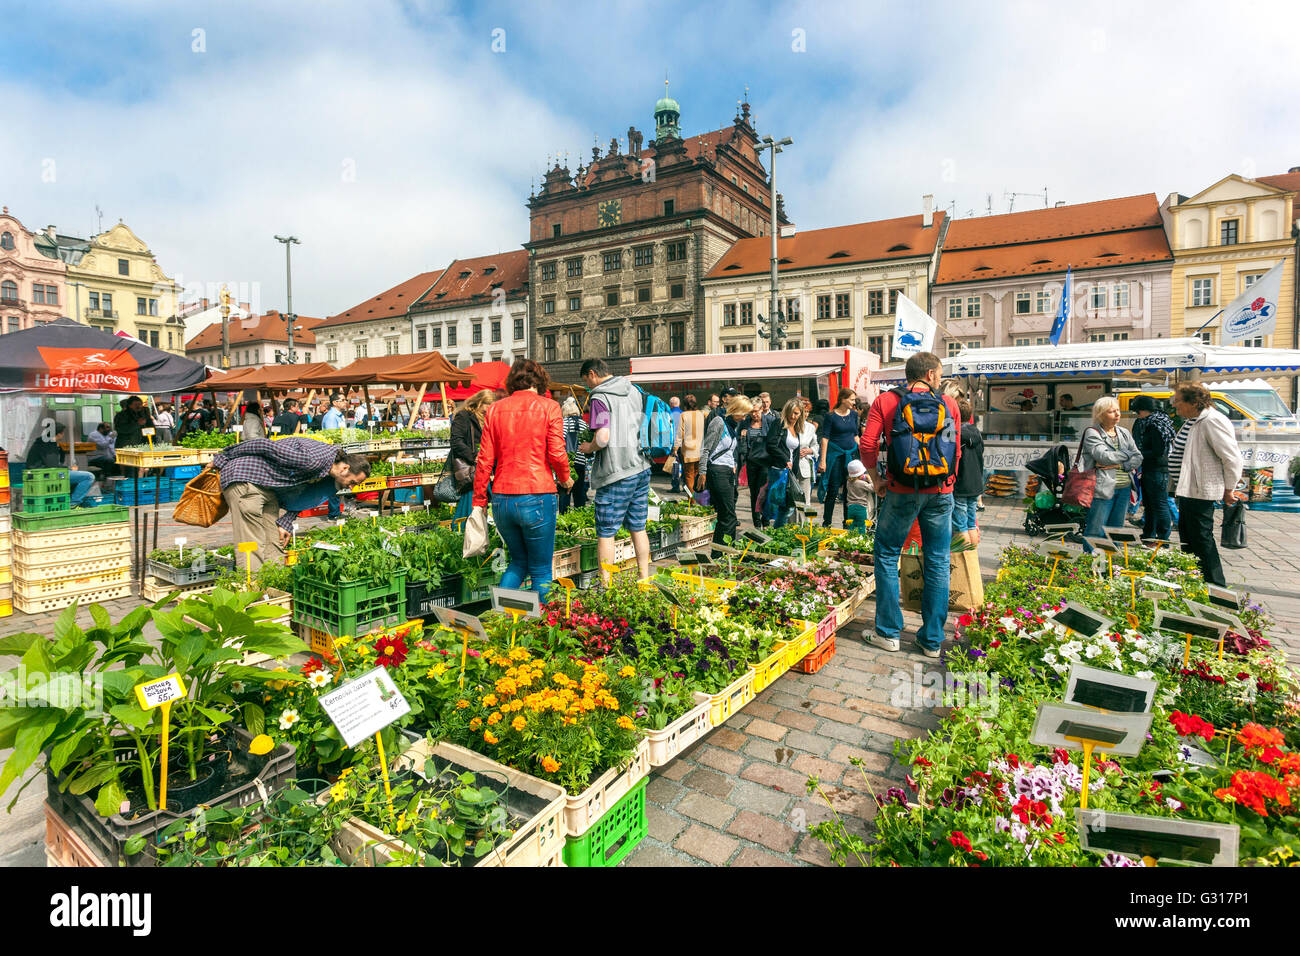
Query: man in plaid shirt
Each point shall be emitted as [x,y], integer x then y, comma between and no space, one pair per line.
[260,476]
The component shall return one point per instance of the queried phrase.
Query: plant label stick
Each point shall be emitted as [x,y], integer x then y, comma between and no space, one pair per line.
[611,570]
[295,535]
[567,584]
[180,548]
[161,693]
[803,539]
[248,547]
[148,433]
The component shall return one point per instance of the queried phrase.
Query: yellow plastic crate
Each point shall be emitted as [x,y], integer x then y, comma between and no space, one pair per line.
[6,607]
[376,483]
[803,645]
[731,699]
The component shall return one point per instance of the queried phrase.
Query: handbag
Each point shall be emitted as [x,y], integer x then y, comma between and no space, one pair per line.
[201,502]
[1233,535]
[1080,483]
[476,536]
[463,473]
[445,489]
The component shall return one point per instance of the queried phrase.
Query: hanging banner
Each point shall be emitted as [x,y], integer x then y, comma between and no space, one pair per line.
[913,329]
[1254,312]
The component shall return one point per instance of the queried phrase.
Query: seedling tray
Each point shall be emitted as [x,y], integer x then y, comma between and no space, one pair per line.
[183,577]
[422,599]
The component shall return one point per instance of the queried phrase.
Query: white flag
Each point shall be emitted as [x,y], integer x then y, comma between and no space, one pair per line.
[1254,312]
[913,329]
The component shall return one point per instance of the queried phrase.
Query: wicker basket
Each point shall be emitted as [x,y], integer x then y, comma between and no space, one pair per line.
[201,503]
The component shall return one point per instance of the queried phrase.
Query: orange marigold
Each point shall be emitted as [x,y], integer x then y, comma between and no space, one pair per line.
[519,723]
[494,718]
[476,723]
[626,722]
[489,737]
[462,704]
[550,764]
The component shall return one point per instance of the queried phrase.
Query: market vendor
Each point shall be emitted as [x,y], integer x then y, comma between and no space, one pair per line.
[260,476]
[130,422]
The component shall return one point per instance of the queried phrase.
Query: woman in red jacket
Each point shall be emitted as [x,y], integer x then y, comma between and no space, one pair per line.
[522,455]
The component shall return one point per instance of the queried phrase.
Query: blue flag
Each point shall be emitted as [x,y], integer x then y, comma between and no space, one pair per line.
[1063,313]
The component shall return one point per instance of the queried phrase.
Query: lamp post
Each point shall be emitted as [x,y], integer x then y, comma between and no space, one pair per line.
[289,317]
[78,286]
[225,329]
[774,317]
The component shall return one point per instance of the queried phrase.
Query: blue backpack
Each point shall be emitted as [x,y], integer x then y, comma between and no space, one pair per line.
[923,440]
[657,433]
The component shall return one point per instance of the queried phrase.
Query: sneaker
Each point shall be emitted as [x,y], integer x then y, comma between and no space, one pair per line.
[1135,521]
[927,651]
[882,642]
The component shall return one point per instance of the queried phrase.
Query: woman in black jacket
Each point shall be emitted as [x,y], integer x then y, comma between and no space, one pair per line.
[790,441]
[466,433]
[970,473]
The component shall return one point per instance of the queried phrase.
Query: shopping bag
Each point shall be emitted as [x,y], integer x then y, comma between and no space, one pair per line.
[476,536]
[1233,535]
[1080,484]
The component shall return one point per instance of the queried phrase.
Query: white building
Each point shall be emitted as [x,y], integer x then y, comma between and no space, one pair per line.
[376,327]
[476,312]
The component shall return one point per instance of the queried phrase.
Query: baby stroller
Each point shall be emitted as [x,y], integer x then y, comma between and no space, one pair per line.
[1045,507]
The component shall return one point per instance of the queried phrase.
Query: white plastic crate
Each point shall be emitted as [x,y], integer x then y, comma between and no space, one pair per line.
[44,585]
[582,810]
[664,745]
[70,562]
[95,534]
[44,605]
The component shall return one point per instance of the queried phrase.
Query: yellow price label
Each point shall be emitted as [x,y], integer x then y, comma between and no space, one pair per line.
[246,546]
[155,693]
[566,583]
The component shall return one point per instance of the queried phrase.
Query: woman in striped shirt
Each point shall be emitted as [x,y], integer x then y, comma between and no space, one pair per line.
[574,426]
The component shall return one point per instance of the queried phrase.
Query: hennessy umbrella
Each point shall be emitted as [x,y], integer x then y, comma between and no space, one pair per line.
[65,356]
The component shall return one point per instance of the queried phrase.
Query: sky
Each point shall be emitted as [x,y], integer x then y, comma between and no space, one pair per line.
[391,136]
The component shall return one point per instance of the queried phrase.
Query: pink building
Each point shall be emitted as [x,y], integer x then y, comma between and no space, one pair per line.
[32,276]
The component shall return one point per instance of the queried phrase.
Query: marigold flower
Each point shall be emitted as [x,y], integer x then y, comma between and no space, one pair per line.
[490,738]
[506,686]
[550,764]
[626,722]
[490,700]
[476,723]
[520,654]
[462,704]
[628,671]
[519,723]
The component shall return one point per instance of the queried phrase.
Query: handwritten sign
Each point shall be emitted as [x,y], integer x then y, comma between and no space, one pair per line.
[365,706]
[154,693]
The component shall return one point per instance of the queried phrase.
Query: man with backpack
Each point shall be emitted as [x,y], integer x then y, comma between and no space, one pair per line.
[621,447]
[920,428]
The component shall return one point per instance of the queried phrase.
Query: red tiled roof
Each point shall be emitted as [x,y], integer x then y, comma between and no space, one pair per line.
[1112,232]
[389,304]
[863,242]
[269,327]
[1288,181]
[469,281]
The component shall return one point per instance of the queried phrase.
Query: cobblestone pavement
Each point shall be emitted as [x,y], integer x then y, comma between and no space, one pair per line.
[738,797]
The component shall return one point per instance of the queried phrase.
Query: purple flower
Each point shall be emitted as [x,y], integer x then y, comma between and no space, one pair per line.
[976,653]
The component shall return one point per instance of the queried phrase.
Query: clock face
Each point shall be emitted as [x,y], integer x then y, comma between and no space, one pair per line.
[609,213]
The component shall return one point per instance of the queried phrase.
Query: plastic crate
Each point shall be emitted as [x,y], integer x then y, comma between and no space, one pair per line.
[818,658]
[77,518]
[582,811]
[771,667]
[664,745]
[536,842]
[63,848]
[94,501]
[49,541]
[45,504]
[75,560]
[803,644]
[6,607]
[46,481]
[7,579]
[144,458]
[105,837]
[181,576]
[567,562]
[42,585]
[4,496]
[731,699]
[6,524]
[826,627]
[349,607]
[422,599]
[614,835]
[588,559]
[183,473]
[376,483]
[483,592]
[319,641]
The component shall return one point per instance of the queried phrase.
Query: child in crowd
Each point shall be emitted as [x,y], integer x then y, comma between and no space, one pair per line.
[860,496]
[970,479]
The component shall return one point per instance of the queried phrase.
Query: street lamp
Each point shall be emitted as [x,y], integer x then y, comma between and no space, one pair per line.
[289,317]
[78,286]
[775,318]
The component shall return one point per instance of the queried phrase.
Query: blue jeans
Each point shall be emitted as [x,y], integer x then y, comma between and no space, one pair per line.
[893,521]
[1105,513]
[526,524]
[963,513]
[80,482]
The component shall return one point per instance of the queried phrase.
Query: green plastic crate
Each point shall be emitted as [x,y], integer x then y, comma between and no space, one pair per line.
[349,607]
[614,835]
[483,592]
[46,481]
[588,559]
[77,518]
[45,504]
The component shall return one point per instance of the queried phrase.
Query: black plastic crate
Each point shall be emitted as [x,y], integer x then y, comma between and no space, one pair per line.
[422,599]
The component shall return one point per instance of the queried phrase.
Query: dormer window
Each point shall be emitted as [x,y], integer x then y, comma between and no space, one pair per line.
[899,247]
[838,255]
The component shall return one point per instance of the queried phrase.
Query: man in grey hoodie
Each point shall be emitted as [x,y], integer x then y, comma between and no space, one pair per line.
[620,472]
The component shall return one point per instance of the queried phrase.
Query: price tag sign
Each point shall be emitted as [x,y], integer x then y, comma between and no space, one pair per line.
[275,429]
[326,546]
[164,690]
[148,432]
[363,707]
[652,512]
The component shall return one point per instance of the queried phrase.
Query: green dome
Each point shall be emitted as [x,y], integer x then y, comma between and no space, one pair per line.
[667,103]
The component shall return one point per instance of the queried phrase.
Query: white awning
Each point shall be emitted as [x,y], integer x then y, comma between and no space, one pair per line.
[736,375]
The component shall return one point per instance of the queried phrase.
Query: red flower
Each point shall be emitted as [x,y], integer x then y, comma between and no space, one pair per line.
[995,644]
[921,762]
[1060,755]
[313,664]
[981,854]
[1189,725]
[958,839]
[390,650]
[965,620]
[1252,789]
[1013,760]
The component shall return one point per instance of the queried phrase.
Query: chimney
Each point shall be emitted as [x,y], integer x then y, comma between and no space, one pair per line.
[51,232]
[927,210]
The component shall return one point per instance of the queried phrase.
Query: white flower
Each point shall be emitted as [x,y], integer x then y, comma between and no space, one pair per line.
[1060,668]
[319,678]
[1049,657]
[1145,675]
[288,717]
[1173,804]
[236,686]
[1092,651]
[1009,623]
[1139,657]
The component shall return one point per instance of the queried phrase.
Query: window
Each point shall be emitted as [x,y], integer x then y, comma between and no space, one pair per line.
[573,268]
[1202,292]
[1042,340]
[7,240]
[823,307]
[841,342]
[643,256]
[729,314]
[973,307]
[171,343]
[140,305]
[435,337]
[611,342]
[306,355]
[1119,295]
[747,346]
[38,293]
[392,347]
[1256,343]
[643,293]
[893,300]
[1021,342]
[548,307]
[575,303]
[1248,279]
[1097,298]
[1042,302]
[477,336]
[841,305]
[611,297]
[555,231]
[9,291]
[123,267]
[746,313]
[792,309]
[451,336]
[643,339]
[93,300]
[1228,232]
[876,343]
[52,294]
[974,344]
[153,337]
[728,349]
[1096,336]
[108,302]
[1206,337]
[677,336]
[876,302]
[362,349]
[15,323]
[548,348]
[519,330]
[575,346]
[548,271]
[1022,303]
[954,308]
[153,306]
[823,343]
[676,250]
[1120,337]
[331,352]
[421,339]
[613,260]
[954,348]
[496,330]
[669,207]
[677,291]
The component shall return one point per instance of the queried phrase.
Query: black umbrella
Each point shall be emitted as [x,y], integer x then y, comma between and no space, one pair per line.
[66,356]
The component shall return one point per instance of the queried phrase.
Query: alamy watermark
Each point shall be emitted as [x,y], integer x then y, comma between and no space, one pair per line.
[63,689]
[977,691]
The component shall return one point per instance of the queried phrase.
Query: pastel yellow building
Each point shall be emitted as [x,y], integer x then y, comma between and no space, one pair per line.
[115,284]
